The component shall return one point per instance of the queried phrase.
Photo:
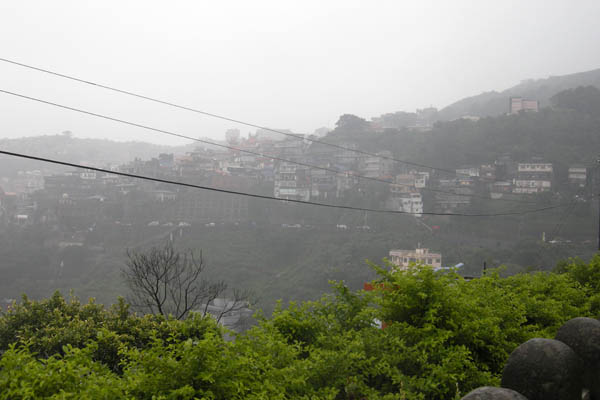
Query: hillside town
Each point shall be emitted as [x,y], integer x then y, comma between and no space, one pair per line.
[295,168]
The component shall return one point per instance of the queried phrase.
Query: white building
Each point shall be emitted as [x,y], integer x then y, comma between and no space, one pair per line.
[292,182]
[533,177]
[411,202]
[535,168]
[578,175]
[404,258]
[467,171]
[531,186]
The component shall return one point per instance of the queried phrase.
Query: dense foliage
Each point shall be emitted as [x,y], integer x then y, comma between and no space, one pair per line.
[442,337]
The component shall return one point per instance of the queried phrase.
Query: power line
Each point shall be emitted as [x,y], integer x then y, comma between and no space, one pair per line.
[264,197]
[170,133]
[224,118]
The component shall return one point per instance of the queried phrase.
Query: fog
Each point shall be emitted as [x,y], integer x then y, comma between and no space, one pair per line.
[296,65]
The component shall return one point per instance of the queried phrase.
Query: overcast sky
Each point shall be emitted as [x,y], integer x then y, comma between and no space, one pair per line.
[283,64]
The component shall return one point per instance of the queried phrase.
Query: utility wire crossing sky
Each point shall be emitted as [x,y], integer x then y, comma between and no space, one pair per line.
[170,133]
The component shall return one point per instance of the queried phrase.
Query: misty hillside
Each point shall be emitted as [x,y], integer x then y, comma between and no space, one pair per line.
[496,103]
[95,152]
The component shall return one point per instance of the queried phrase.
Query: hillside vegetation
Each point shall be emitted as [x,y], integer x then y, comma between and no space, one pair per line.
[442,337]
[566,133]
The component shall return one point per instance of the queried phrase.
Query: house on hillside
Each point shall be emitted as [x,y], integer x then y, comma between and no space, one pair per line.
[533,177]
[408,202]
[471,171]
[453,194]
[378,166]
[518,104]
[499,188]
[578,176]
[292,182]
[404,258]
[323,184]
[409,182]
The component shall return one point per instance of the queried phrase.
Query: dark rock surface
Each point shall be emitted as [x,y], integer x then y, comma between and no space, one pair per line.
[493,393]
[583,336]
[544,369]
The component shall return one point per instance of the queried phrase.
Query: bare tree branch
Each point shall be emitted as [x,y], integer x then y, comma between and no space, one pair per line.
[167,282]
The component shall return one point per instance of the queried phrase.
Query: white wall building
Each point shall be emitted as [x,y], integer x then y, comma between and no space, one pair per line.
[292,182]
[467,171]
[535,168]
[578,175]
[404,258]
[533,177]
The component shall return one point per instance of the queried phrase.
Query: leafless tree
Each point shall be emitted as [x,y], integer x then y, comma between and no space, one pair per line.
[168,282]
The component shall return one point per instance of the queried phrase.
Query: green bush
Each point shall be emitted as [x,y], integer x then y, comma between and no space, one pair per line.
[442,337]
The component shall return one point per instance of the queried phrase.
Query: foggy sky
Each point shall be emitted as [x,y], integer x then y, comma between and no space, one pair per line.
[283,64]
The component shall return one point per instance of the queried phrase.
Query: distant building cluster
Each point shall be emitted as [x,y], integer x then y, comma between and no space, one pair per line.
[311,172]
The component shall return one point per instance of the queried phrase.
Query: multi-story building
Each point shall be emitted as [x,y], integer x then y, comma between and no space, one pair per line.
[499,188]
[487,172]
[518,104]
[533,177]
[409,182]
[292,182]
[421,179]
[345,182]
[323,184]
[404,258]
[467,171]
[403,183]
[407,202]
[454,193]
[578,175]
[377,166]
[291,149]
[347,156]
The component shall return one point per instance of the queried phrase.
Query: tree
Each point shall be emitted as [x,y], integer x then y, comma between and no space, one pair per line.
[585,99]
[352,124]
[171,283]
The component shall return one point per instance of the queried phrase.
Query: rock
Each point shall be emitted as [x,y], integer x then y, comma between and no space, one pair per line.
[583,336]
[493,393]
[544,369]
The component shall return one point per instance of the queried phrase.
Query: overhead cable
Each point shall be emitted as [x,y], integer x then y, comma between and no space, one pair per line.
[208,142]
[224,118]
